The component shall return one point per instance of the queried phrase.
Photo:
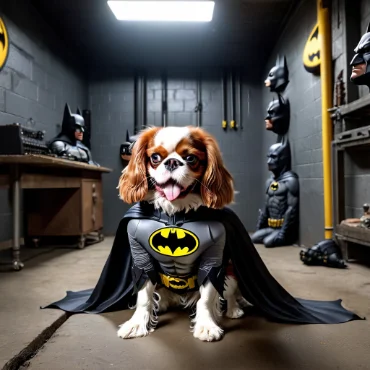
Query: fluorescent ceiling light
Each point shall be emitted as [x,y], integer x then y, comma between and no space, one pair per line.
[174,11]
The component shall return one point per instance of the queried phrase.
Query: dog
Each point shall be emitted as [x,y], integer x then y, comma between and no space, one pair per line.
[179,169]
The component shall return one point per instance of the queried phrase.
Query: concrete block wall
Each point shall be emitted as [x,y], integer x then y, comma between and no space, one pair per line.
[35,83]
[304,94]
[111,102]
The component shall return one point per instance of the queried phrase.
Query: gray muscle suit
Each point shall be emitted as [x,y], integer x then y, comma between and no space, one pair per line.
[207,254]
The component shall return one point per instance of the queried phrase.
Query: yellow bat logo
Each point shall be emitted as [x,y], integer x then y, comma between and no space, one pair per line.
[178,283]
[174,241]
[4,44]
[312,52]
[274,186]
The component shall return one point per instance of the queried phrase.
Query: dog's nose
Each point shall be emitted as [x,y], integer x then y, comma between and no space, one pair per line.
[172,163]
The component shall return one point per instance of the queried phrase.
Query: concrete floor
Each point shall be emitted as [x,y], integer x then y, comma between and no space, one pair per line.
[89,341]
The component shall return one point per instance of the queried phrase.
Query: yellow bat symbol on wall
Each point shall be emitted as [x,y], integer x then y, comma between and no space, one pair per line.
[312,52]
[174,241]
[4,44]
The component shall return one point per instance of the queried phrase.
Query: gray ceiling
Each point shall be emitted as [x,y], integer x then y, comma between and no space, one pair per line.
[242,32]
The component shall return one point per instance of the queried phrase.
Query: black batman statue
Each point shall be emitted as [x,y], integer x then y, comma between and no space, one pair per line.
[68,143]
[278,116]
[126,147]
[278,222]
[360,62]
[278,77]
[325,253]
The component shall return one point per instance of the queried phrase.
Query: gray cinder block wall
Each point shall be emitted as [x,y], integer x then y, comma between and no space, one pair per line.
[304,94]
[35,83]
[111,100]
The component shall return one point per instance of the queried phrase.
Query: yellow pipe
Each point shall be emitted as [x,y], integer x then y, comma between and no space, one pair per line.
[323,16]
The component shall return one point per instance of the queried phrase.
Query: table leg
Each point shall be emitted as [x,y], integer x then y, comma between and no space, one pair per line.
[17,264]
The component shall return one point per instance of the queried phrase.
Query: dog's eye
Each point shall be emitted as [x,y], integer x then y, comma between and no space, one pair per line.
[155,158]
[191,159]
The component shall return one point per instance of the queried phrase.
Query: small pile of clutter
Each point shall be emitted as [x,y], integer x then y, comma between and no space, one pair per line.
[324,253]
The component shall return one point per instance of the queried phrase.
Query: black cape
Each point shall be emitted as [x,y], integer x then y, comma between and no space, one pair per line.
[115,289]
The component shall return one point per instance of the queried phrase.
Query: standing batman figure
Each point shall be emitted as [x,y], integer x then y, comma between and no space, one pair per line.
[360,62]
[278,77]
[278,117]
[68,143]
[278,222]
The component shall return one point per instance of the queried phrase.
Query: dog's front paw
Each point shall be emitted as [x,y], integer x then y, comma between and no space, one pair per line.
[208,332]
[133,329]
[234,313]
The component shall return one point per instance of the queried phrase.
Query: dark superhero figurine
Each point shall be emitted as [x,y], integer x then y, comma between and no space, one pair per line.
[360,62]
[68,143]
[278,77]
[325,253]
[278,116]
[126,147]
[278,222]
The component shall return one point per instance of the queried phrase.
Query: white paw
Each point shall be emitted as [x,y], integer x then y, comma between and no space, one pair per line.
[234,313]
[208,332]
[133,329]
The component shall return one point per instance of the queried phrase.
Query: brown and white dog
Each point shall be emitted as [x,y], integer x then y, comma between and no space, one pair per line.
[179,168]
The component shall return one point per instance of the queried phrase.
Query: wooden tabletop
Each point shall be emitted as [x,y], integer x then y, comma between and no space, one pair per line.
[40,160]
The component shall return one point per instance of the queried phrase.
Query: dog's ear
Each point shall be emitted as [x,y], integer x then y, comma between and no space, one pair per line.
[218,185]
[133,183]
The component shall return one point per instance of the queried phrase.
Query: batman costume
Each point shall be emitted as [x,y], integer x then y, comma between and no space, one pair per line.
[362,56]
[65,144]
[124,272]
[278,222]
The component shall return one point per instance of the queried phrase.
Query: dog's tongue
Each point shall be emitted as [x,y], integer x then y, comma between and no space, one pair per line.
[172,191]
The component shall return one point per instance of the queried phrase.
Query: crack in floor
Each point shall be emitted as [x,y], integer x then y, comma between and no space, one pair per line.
[21,360]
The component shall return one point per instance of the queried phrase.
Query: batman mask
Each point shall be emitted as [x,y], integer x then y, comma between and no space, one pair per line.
[360,62]
[72,123]
[279,158]
[278,116]
[278,77]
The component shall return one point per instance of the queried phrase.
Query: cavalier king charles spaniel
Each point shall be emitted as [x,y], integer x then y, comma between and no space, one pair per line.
[176,169]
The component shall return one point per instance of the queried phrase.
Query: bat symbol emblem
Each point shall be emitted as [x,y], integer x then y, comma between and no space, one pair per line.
[173,241]
[274,186]
[4,44]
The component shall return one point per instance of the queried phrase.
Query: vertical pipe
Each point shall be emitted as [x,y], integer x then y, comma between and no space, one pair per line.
[143,101]
[138,118]
[323,16]
[240,98]
[223,97]
[16,218]
[164,99]
[232,106]
[199,99]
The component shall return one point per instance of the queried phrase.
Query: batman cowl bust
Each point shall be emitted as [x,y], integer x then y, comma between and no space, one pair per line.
[68,143]
[278,222]
[278,77]
[360,62]
[278,116]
